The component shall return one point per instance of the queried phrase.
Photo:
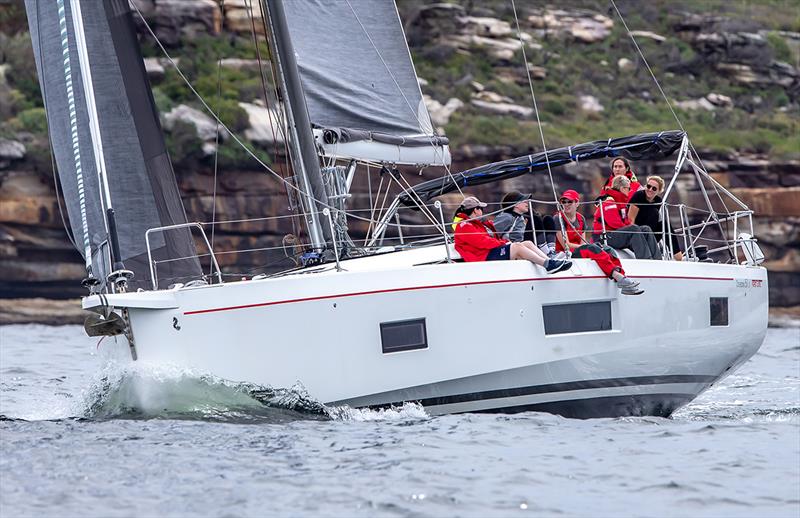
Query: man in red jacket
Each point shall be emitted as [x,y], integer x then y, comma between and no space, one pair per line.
[477,240]
[611,220]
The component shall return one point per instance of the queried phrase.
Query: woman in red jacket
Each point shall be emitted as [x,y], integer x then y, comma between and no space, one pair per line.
[477,240]
[571,222]
[621,167]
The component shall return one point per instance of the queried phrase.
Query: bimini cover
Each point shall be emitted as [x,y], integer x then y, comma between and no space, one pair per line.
[645,146]
[143,189]
[358,78]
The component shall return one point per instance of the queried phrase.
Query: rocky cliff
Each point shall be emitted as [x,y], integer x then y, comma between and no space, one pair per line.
[731,76]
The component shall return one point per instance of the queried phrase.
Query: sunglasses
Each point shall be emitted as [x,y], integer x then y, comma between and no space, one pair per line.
[567,202]
[651,188]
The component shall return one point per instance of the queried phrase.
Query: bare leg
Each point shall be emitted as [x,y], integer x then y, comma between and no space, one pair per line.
[535,249]
[521,251]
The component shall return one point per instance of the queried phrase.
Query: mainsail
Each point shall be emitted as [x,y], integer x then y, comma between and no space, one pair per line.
[140,179]
[359,82]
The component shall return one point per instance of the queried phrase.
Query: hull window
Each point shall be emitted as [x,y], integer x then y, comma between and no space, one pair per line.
[719,311]
[404,335]
[577,318]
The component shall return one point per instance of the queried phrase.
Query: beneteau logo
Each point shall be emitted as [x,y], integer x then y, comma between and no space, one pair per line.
[757,283]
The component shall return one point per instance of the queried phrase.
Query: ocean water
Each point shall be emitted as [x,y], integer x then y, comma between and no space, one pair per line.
[82,438]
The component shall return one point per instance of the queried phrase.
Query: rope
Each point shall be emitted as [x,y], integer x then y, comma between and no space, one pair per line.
[233,135]
[414,112]
[538,120]
[216,151]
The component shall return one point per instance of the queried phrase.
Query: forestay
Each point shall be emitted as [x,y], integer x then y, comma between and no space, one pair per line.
[141,181]
[358,79]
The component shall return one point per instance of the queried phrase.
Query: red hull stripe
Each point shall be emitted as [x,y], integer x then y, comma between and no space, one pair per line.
[416,288]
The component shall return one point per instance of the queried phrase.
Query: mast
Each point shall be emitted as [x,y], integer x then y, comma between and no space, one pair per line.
[97,145]
[302,146]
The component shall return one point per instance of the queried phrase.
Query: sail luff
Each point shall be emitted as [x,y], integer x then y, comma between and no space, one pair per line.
[70,94]
[96,137]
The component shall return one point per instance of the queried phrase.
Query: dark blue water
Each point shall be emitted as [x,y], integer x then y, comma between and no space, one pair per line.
[78,437]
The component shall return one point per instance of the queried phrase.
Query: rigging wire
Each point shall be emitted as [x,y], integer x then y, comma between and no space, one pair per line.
[414,112]
[538,119]
[233,134]
[671,109]
[268,105]
[216,151]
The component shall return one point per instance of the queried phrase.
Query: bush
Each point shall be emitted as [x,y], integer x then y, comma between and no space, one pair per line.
[185,148]
[232,156]
[33,120]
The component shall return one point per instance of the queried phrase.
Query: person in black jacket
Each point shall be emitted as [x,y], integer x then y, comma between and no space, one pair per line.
[645,209]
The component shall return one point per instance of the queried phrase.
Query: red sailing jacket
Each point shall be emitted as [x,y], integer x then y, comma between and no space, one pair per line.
[475,238]
[614,213]
[574,234]
[635,185]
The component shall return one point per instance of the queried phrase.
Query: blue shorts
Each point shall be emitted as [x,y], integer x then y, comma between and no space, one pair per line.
[501,253]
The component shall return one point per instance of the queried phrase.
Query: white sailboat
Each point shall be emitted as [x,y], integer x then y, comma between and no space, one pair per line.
[377,325]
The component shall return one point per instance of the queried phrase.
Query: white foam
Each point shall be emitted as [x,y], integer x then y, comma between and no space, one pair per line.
[407,412]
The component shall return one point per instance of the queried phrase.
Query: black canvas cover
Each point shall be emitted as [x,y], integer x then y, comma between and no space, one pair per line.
[141,181]
[645,146]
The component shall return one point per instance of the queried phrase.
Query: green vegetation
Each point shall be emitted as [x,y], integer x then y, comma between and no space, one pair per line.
[764,117]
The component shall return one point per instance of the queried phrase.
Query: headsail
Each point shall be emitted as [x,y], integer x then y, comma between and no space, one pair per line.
[635,147]
[359,82]
[141,181]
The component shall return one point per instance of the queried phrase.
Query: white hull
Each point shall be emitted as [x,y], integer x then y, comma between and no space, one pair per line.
[486,343]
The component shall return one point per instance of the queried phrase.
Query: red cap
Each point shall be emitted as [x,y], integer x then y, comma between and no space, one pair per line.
[571,195]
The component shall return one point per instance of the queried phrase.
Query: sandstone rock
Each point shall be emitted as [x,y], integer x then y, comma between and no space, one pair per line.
[422,82]
[205,126]
[242,64]
[502,49]
[30,210]
[154,68]
[264,127]
[778,232]
[242,15]
[722,101]
[503,108]
[695,104]
[770,201]
[41,311]
[478,86]
[440,114]
[11,149]
[649,35]
[22,184]
[580,25]
[625,65]
[171,19]
[492,97]
[590,103]
[484,26]
[589,31]
[537,72]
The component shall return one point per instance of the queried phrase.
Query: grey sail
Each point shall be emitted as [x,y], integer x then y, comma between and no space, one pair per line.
[141,182]
[358,78]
